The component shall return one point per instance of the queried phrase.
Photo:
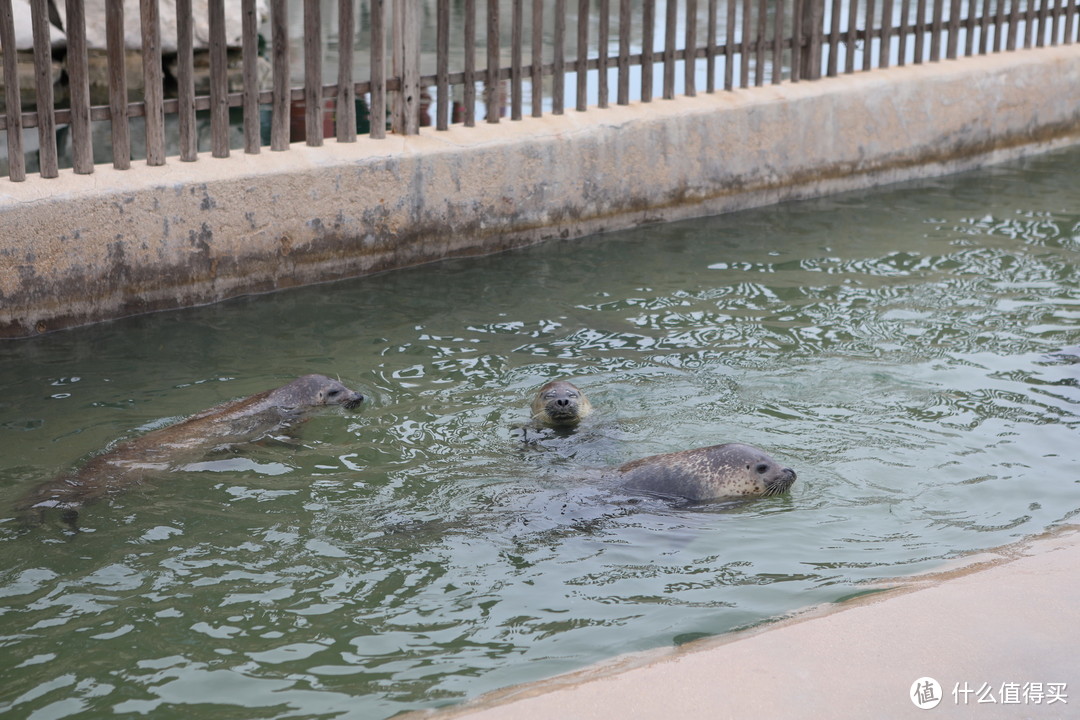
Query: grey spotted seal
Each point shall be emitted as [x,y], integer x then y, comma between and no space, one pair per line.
[219,427]
[731,470]
[560,404]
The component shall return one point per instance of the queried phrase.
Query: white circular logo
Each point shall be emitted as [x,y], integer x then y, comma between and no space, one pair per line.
[925,693]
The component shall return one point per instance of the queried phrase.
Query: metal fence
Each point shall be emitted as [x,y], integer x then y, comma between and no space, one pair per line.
[645,48]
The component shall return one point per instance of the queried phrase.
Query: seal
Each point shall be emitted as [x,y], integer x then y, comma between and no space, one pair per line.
[731,470]
[219,427]
[560,404]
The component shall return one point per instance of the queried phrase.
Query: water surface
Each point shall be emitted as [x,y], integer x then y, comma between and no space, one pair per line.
[913,352]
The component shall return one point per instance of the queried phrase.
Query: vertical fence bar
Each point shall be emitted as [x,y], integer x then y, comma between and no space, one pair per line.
[904,31]
[834,39]
[984,28]
[582,53]
[250,51]
[690,50]
[378,51]
[852,37]
[469,75]
[491,86]
[729,47]
[313,110]
[604,21]
[345,106]
[219,82]
[405,31]
[279,49]
[744,46]
[671,19]
[153,82]
[886,33]
[868,37]
[1029,26]
[46,126]
[516,30]
[624,53]
[813,29]
[118,101]
[648,33]
[537,67]
[12,97]
[936,24]
[82,151]
[1070,21]
[953,30]
[759,43]
[778,43]
[185,81]
[442,64]
[969,28]
[710,47]
[920,31]
[1055,27]
[999,27]
[1040,34]
[558,48]
[1014,22]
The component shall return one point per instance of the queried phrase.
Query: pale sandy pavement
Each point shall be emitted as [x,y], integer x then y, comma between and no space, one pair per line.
[999,627]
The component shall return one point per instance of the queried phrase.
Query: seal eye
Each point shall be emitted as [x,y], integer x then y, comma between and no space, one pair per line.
[762,468]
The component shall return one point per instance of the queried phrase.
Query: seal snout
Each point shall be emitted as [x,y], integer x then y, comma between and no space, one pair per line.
[782,483]
[353,403]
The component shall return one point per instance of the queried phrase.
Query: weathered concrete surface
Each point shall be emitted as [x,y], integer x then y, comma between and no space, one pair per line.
[79,249]
[992,628]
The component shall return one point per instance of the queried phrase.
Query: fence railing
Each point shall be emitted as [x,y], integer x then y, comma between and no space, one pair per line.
[646,49]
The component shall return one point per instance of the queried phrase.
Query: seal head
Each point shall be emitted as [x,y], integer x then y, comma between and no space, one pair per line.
[560,404]
[731,470]
[311,391]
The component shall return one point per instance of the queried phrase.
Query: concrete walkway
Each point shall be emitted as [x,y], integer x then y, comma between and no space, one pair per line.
[1003,628]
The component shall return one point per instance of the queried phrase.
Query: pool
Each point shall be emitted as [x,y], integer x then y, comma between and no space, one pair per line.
[913,352]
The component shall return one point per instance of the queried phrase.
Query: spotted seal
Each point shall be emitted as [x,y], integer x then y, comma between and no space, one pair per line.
[560,404]
[221,426]
[731,470]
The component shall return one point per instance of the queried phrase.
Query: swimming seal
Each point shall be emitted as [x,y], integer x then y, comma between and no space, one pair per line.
[731,470]
[560,404]
[218,427]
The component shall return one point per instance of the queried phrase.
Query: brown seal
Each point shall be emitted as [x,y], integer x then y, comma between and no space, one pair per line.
[732,470]
[221,426]
[560,404]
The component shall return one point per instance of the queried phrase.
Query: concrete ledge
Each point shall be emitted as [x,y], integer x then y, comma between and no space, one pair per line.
[80,249]
[985,631]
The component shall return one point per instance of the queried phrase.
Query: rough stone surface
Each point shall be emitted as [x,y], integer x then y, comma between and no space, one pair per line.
[80,249]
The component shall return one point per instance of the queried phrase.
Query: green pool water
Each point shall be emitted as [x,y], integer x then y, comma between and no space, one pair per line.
[913,352]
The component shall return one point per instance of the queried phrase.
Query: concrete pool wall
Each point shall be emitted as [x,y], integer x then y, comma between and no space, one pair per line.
[81,249]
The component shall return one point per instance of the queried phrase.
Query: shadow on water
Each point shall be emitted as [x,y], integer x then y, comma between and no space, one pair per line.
[911,352]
